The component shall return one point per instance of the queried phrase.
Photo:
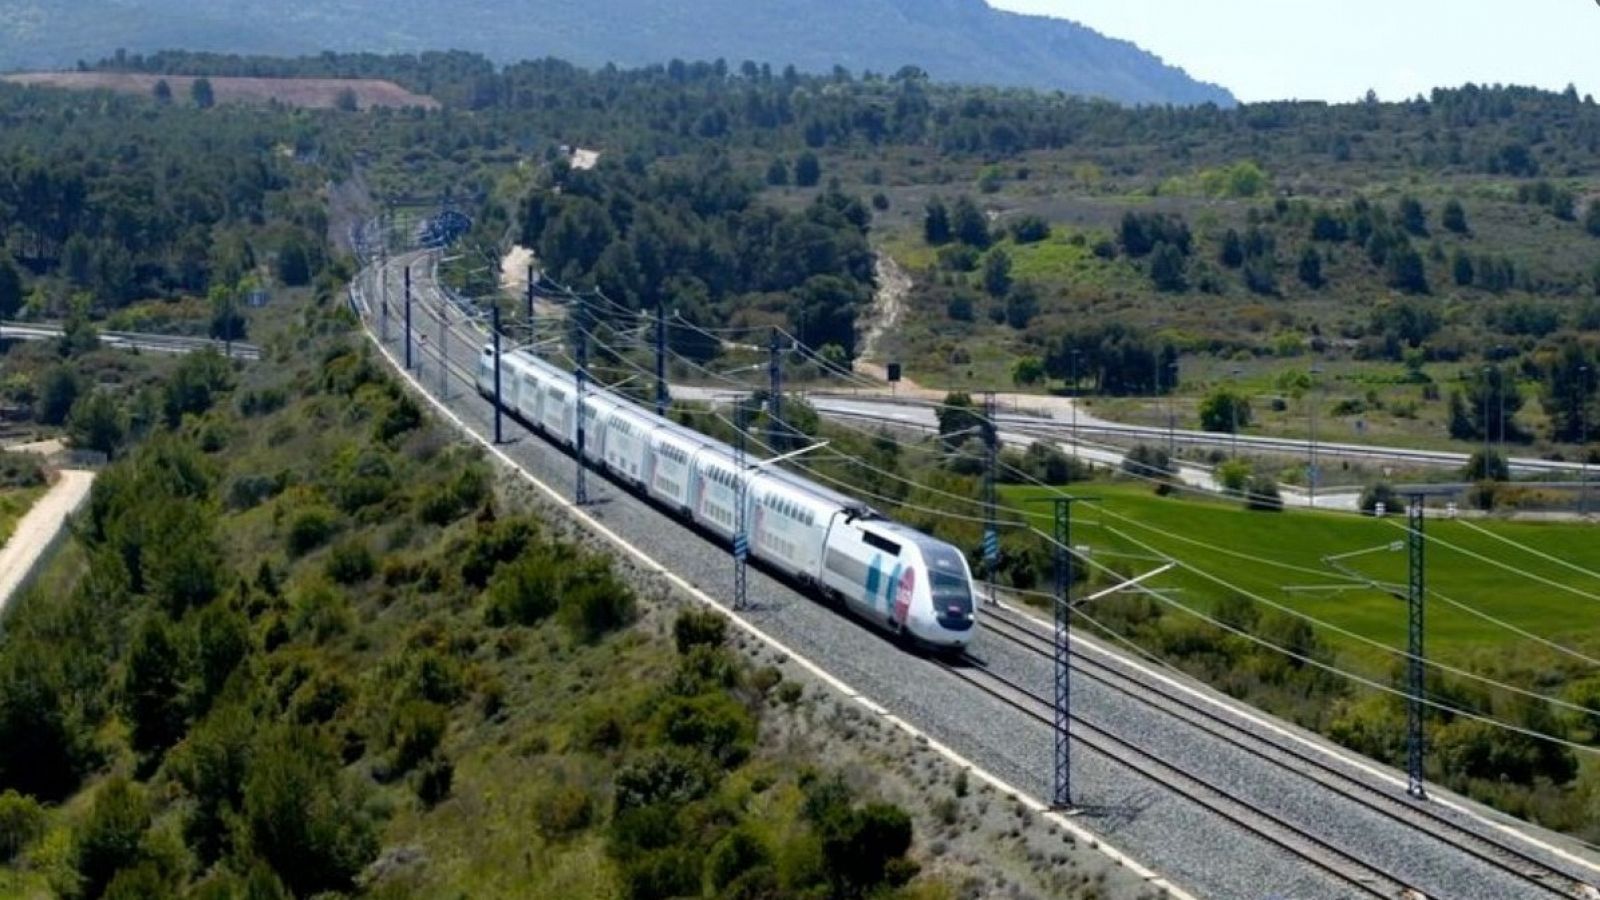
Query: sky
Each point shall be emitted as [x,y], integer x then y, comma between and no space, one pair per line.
[1336,49]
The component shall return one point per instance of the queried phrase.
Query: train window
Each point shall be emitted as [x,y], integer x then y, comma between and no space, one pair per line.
[880,542]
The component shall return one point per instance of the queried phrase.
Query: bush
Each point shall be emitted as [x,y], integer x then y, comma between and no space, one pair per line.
[713,723]
[525,592]
[310,529]
[595,602]
[110,839]
[249,491]
[1234,475]
[1146,461]
[737,853]
[1380,493]
[665,775]
[350,562]
[303,817]
[1263,495]
[562,811]
[1223,410]
[21,823]
[434,779]
[697,628]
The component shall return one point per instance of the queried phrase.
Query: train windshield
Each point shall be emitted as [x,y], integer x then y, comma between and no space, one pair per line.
[952,590]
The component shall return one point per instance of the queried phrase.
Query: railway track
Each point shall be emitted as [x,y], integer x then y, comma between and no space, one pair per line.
[1530,870]
[1270,827]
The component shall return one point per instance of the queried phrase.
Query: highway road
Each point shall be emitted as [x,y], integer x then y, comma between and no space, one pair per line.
[1128,805]
[133,340]
[1017,431]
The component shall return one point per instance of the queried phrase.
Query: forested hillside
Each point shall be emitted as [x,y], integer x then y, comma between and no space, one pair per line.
[955,40]
[304,642]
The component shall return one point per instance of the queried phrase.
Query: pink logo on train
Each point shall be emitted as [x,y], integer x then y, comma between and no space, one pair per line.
[902,599]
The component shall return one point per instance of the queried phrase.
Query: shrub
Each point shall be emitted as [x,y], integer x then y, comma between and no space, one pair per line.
[1262,495]
[713,723]
[110,838]
[562,810]
[1146,461]
[1234,475]
[434,778]
[669,775]
[594,601]
[737,853]
[249,491]
[21,823]
[310,529]
[695,628]
[414,732]
[1380,493]
[525,592]
[303,817]
[350,562]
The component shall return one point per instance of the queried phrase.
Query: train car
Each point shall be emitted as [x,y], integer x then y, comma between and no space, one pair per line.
[714,487]
[627,451]
[900,579]
[671,479]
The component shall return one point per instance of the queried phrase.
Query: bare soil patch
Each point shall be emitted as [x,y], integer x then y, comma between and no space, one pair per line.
[312,93]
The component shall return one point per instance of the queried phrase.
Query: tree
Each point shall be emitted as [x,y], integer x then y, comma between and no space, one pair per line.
[303,816]
[347,101]
[807,170]
[193,385]
[778,173]
[152,688]
[936,223]
[1232,252]
[227,317]
[969,224]
[294,263]
[1570,384]
[1224,410]
[997,273]
[1492,467]
[11,295]
[959,420]
[1406,272]
[162,92]
[1591,218]
[1022,304]
[1454,217]
[1028,371]
[1166,269]
[97,423]
[1412,217]
[1490,393]
[1461,270]
[1311,268]
[111,838]
[58,390]
[1030,229]
[202,93]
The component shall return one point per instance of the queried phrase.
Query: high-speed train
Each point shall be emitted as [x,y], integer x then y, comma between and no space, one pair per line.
[895,577]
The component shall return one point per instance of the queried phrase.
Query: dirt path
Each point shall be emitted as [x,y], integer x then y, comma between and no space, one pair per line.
[38,530]
[888,306]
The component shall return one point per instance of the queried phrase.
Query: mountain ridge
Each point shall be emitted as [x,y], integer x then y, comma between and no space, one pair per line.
[953,40]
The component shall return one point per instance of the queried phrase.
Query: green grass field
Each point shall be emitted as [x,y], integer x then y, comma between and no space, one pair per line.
[14,504]
[1269,554]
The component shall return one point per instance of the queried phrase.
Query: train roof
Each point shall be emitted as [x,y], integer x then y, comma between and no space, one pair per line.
[799,482]
[911,535]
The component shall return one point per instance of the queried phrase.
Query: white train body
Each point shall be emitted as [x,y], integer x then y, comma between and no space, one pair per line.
[893,576]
